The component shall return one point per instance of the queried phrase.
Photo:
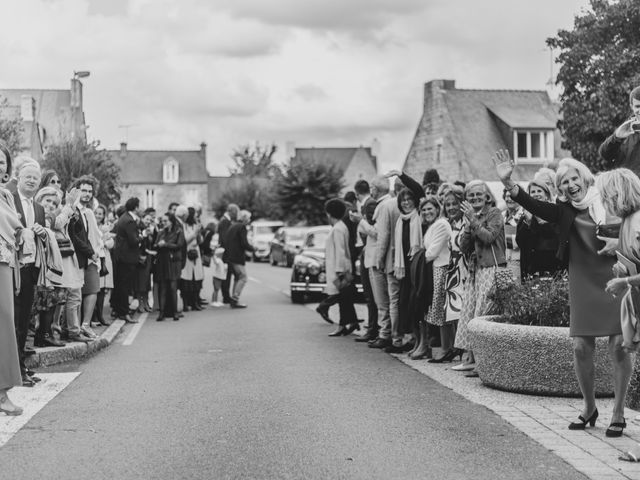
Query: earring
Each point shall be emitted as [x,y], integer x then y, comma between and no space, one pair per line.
[5,178]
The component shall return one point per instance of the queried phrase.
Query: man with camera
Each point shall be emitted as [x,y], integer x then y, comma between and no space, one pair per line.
[622,148]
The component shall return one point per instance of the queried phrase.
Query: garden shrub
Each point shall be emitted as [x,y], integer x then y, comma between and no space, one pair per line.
[540,301]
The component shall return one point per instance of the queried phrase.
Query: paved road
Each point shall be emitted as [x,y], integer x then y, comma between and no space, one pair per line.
[264,393]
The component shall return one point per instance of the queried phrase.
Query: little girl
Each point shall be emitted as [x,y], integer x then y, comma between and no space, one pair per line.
[219,275]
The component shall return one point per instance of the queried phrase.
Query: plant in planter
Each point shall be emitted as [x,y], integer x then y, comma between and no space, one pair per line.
[527,348]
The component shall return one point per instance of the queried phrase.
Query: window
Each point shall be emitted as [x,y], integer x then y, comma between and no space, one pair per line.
[150,198]
[438,152]
[533,146]
[170,171]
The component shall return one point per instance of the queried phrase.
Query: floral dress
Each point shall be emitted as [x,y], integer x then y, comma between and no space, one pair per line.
[457,273]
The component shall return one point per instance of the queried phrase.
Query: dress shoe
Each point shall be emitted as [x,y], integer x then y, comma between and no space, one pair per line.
[179,315]
[176,318]
[29,351]
[197,308]
[339,332]
[104,322]
[160,318]
[324,314]
[397,349]
[380,343]
[77,337]
[129,319]
[366,338]
[27,381]
[48,342]
[238,305]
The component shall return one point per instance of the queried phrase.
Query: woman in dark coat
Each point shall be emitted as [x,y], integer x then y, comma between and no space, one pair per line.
[169,245]
[594,312]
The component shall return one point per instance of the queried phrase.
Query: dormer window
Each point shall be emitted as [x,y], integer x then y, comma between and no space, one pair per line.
[170,171]
[533,146]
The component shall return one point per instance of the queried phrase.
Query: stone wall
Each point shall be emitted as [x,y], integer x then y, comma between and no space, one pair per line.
[361,167]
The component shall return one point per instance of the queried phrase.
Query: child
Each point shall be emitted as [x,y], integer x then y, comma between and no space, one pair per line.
[219,274]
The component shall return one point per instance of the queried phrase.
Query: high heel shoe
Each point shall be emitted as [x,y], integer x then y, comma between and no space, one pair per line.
[582,424]
[616,433]
[352,327]
[449,356]
[11,413]
[339,332]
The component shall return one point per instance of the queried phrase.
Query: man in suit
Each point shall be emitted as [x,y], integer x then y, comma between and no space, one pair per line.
[236,245]
[367,206]
[126,254]
[385,286]
[225,222]
[32,217]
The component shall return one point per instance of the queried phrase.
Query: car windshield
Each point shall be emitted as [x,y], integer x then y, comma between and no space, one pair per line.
[265,230]
[316,240]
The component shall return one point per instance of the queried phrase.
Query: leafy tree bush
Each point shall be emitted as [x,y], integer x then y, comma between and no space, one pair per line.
[11,129]
[538,301]
[304,188]
[600,65]
[249,193]
[75,157]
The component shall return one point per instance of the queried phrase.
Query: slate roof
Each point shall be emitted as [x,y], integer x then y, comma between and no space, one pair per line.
[477,134]
[145,166]
[53,108]
[341,157]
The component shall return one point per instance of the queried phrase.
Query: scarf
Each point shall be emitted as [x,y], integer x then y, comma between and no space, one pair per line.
[415,241]
[593,202]
[9,225]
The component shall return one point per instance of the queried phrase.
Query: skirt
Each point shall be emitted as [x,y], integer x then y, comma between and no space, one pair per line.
[91,280]
[9,363]
[475,303]
[436,313]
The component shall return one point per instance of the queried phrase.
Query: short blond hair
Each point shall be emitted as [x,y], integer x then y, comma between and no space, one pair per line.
[620,191]
[581,169]
[491,200]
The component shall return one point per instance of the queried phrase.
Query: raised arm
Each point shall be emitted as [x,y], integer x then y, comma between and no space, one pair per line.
[412,185]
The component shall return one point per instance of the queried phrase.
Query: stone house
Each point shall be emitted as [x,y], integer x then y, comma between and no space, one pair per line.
[159,177]
[460,130]
[355,162]
[47,115]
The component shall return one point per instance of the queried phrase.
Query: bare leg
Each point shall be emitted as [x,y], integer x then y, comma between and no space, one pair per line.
[583,350]
[622,369]
[7,406]
[447,336]
[417,334]
[423,350]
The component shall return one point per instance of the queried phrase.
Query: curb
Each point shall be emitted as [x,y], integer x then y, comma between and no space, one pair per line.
[47,356]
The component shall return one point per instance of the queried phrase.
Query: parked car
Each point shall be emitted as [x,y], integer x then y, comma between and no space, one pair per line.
[308,276]
[260,233]
[286,244]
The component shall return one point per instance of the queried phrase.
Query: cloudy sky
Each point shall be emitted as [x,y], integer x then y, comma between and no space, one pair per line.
[314,72]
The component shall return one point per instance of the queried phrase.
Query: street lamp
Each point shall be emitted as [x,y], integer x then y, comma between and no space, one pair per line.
[81,74]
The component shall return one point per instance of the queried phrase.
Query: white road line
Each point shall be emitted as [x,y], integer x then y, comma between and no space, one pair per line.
[32,400]
[136,328]
[253,279]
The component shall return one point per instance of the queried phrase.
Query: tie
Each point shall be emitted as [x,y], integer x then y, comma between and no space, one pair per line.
[29,213]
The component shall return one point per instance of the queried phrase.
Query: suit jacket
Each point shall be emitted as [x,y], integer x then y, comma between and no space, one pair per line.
[37,208]
[236,243]
[368,209]
[337,255]
[385,217]
[622,152]
[80,239]
[223,227]
[127,241]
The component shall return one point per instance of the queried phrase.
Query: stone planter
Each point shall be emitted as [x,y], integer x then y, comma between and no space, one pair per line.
[633,394]
[533,360]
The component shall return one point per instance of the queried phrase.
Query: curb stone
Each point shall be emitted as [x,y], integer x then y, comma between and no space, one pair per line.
[47,356]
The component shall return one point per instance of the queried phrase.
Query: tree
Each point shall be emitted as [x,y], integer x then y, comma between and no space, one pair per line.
[249,193]
[304,188]
[600,65]
[73,158]
[255,162]
[11,129]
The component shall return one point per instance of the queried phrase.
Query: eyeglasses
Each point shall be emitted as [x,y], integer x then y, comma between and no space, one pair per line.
[53,180]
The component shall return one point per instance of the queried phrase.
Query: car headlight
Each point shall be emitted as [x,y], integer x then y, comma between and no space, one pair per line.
[322,278]
[314,268]
[301,267]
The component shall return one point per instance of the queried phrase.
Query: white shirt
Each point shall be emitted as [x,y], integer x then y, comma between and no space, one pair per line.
[29,212]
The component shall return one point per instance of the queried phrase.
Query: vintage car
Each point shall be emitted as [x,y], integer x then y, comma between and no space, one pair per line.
[260,233]
[308,276]
[286,244]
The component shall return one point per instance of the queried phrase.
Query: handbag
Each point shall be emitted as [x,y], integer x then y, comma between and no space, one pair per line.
[206,260]
[64,244]
[502,277]
[343,280]
[104,271]
[192,254]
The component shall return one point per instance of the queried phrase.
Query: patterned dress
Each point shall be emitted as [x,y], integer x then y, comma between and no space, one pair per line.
[457,273]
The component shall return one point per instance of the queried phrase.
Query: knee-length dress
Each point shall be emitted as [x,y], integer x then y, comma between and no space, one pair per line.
[457,273]
[594,312]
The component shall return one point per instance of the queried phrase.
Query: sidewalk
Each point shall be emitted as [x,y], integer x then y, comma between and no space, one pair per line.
[544,419]
[47,356]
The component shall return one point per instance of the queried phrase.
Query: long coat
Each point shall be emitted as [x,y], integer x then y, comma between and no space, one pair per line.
[337,256]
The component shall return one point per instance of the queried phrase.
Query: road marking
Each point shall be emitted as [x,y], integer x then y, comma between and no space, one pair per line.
[253,279]
[136,328]
[32,400]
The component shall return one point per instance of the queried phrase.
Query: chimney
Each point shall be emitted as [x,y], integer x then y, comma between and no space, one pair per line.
[123,149]
[290,150]
[375,148]
[27,108]
[203,150]
[76,93]
[433,90]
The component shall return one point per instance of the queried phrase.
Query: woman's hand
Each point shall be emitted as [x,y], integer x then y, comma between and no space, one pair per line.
[468,212]
[610,246]
[392,173]
[616,286]
[619,270]
[504,167]
[73,197]
[625,130]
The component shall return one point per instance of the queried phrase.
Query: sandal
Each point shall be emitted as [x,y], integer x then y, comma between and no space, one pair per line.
[615,429]
[629,457]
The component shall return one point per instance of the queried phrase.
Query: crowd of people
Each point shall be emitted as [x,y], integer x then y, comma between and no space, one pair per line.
[432,254]
[62,254]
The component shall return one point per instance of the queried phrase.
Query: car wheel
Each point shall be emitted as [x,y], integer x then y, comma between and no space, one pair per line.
[297,297]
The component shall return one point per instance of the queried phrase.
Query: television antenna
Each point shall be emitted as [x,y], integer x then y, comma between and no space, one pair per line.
[126,130]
